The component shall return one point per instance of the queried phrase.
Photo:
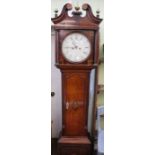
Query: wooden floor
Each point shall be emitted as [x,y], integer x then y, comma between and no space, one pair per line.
[54,147]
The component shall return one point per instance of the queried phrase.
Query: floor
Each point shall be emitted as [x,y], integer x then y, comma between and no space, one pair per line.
[54,147]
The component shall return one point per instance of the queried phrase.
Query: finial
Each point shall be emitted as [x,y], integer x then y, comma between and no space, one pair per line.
[85,6]
[56,12]
[77,12]
[77,8]
[98,13]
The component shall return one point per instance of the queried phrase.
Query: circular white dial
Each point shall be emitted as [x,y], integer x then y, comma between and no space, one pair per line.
[76,47]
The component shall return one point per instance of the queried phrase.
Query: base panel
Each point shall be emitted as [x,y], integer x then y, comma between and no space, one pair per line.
[74,146]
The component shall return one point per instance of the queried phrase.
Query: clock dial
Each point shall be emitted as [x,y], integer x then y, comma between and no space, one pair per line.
[76,47]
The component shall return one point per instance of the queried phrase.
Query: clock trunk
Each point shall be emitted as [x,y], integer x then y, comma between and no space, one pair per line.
[75,102]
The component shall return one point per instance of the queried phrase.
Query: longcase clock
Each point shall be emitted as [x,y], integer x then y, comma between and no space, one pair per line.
[77,48]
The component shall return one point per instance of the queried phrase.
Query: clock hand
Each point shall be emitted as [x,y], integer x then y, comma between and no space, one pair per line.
[74,44]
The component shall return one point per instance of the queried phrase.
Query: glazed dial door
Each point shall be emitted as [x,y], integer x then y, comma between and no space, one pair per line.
[76,47]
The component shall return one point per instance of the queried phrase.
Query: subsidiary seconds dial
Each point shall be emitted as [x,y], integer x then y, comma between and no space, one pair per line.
[76,47]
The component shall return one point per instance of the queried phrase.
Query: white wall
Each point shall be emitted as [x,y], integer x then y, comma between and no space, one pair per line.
[56,113]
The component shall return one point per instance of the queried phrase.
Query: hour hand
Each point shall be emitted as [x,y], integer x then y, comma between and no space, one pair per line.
[74,44]
[68,47]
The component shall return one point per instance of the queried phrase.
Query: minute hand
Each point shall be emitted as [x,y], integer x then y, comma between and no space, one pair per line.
[74,44]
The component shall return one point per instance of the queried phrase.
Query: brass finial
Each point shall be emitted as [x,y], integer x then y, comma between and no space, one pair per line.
[98,13]
[77,8]
[56,12]
[77,11]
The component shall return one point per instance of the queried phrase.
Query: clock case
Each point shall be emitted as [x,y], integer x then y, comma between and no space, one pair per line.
[74,138]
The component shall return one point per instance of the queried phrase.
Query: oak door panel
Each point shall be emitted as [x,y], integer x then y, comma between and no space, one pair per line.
[75,103]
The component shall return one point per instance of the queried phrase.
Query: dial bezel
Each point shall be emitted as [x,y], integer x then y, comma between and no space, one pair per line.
[83,60]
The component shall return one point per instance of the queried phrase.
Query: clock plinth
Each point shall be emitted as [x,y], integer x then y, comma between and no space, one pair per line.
[74,146]
[77,50]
